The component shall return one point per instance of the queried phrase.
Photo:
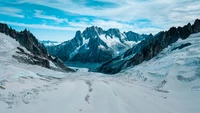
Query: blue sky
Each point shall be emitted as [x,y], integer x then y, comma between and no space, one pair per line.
[58,20]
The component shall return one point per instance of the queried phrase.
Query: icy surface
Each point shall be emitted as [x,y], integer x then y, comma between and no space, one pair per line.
[169,83]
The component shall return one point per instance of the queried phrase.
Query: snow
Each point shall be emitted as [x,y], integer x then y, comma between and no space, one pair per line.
[115,44]
[74,52]
[110,41]
[152,87]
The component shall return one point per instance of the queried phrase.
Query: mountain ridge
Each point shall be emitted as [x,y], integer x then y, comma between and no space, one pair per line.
[95,45]
[38,54]
[148,48]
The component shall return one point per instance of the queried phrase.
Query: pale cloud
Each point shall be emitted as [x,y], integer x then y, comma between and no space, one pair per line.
[9,11]
[39,14]
[39,26]
[163,13]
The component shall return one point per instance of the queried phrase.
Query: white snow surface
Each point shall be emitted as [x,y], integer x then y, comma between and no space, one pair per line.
[169,83]
[115,44]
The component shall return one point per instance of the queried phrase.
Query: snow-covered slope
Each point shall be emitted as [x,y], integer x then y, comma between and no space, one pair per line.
[174,66]
[8,47]
[168,83]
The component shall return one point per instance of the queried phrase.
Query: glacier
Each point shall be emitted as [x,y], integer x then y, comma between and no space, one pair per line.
[168,83]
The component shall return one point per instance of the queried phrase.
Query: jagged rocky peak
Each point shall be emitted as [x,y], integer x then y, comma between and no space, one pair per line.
[132,36]
[113,32]
[185,31]
[196,26]
[146,36]
[79,37]
[92,32]
[78,34]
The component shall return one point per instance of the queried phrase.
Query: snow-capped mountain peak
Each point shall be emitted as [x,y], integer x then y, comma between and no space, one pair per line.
[94,45]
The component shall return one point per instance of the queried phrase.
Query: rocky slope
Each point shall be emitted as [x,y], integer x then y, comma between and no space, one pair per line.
[149,48]
[95,45]
[36,53]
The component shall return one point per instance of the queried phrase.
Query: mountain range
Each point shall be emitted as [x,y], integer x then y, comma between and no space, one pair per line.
[117,51]
[149,48]
[95,45]
[158,74]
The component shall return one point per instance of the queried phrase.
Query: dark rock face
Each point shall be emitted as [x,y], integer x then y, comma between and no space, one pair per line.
[133,36]
[181,46]
[92,32]
[149,48]
[31,59]
[26,39]
[113,32]
[89,46]
[185,31]
[93,54]
[196,26]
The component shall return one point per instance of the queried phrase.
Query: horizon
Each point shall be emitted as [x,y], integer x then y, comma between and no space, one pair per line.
[59,20]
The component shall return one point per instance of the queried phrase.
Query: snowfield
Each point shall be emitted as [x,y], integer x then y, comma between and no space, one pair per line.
[168,83]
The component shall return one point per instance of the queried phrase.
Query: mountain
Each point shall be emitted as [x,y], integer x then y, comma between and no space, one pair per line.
[95,45]
[31,51]
[149,48]
[167,83]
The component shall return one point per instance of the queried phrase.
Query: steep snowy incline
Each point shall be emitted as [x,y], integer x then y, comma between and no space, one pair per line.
[180,62]
[8,47]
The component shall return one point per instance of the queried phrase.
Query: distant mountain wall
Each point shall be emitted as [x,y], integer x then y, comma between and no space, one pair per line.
[148,48]
[95,45]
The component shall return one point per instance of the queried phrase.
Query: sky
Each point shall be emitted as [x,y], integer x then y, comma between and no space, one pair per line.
[58,20]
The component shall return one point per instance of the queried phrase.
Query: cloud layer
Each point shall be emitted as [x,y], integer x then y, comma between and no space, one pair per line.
[142,16]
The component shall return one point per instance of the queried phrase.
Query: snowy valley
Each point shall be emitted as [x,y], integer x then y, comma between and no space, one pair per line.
[168,83]
[99,56]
